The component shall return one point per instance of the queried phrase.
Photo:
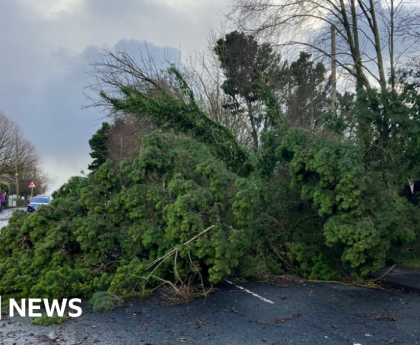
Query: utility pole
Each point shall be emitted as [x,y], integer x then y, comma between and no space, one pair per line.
[333,71]
[17,173]
[121,149]
[34,179]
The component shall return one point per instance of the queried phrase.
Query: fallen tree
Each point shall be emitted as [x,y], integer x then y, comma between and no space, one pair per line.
[196,206]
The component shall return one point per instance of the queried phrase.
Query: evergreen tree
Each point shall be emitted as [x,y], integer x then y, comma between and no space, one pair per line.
[250,69]
[98,145]
[305,91]
[195,205]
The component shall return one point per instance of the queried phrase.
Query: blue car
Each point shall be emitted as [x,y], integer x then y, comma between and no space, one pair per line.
[38,201]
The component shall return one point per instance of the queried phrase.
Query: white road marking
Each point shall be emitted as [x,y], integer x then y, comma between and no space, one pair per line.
[250,292]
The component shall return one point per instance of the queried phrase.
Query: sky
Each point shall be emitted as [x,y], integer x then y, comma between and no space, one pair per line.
[47,47]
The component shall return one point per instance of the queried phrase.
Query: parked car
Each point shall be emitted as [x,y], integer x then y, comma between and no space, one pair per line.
[38,201]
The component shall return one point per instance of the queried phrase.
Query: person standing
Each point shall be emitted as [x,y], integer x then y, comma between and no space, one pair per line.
[3,201]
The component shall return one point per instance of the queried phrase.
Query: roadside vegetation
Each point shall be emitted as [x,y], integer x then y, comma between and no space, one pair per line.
[256,173]
[46,320]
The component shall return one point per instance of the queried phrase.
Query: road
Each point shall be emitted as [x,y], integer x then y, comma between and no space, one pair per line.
[4,216]
[281,313]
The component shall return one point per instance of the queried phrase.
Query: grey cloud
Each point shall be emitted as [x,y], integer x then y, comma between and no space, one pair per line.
[55,108]
[49,108]
[45,57]
[138,49]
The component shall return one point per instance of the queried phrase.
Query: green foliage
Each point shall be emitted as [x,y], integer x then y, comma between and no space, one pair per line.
[195,206]
[307,91]
[182,115]
[45,320]
[310,262]
[326,171]
[245,63]
[4,187]
[103,232]
[104,301]
[98,145]
[354,182]
[251,71]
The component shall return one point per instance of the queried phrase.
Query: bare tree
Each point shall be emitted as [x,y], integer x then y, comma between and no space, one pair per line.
[125,137]
[29,161]
[8,132]
[42,180]
[211,71]
[127,86]
[114,71]
[371,35]
[27,154]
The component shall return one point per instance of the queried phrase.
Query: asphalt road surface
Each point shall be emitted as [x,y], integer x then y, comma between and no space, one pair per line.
[4,220]
[6,214]
[242,313]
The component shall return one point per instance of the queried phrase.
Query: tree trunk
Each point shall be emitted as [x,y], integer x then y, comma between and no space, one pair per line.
[375,30]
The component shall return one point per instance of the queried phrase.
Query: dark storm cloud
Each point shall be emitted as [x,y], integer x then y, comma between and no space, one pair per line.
[49,108]
[46,49]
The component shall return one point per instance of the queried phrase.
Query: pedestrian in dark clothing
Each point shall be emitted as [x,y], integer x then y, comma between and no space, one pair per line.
[3,201]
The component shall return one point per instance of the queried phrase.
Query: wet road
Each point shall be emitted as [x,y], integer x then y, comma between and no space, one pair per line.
[282,313]
[6,214]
